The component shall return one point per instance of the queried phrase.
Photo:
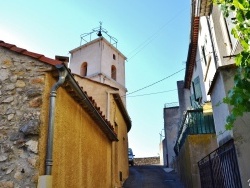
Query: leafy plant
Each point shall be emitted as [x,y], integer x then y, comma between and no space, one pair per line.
[239,96]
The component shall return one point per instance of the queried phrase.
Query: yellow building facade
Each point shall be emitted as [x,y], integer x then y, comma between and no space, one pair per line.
[110,103]
[47,111]
[82,153]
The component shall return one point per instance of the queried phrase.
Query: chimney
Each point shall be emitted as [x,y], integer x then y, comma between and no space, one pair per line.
[63,59]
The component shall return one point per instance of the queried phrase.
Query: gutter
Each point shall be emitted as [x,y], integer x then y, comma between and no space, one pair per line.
[120,105]
[86,103]
[123,110]
[218,70]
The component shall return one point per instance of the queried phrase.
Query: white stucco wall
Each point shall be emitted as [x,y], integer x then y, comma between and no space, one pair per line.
[241,130]
[107,61]
[87,53]
[220,110]
[99,57]
[205,71]
[199,72]
[222,83]
[221,37]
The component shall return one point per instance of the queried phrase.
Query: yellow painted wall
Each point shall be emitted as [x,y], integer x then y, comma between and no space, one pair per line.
[100,93]
[120,170]
[96,90]
[82,153]
[184,165]
[194,149]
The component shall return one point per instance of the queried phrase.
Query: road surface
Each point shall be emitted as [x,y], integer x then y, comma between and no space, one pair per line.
[152,176]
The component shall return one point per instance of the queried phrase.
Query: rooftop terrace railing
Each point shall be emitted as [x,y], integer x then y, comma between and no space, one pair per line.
[194,122]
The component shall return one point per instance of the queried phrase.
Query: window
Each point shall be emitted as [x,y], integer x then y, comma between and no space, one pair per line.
[197,89]
[113,72]
[83,70]
[114,57]
[192,101]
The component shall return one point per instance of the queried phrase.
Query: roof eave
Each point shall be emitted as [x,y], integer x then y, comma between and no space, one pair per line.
[219,69]
[96,40]
[33,55]
[123,111]
[89,105]
[192,52]
[71,87]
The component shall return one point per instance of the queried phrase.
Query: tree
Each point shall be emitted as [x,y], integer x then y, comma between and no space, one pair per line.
[239,96]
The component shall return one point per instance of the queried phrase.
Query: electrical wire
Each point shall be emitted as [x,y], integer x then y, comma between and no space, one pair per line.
[152,37]
[159,81]
[153,93]
[155,82]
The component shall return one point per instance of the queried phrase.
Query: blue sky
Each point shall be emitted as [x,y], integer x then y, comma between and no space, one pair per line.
[153,35]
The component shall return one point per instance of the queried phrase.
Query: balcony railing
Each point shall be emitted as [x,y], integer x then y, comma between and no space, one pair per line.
[194,122]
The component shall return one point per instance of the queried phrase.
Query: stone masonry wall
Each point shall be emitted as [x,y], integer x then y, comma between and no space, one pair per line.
[147,161]
[21,89]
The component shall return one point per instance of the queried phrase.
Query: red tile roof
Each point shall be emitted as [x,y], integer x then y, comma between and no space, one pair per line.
[192,52]
[83,98]
[50,61]
[37,56]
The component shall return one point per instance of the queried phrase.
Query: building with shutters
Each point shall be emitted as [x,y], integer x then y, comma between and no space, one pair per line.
[205,152]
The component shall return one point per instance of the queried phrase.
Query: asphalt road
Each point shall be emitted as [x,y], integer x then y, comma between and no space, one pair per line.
[151,176]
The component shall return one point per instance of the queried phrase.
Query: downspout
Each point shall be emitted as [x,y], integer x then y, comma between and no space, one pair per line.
[49,150]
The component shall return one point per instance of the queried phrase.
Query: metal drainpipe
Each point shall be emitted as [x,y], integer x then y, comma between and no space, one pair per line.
[49,150]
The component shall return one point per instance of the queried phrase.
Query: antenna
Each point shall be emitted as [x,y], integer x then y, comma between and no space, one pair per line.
[99,33]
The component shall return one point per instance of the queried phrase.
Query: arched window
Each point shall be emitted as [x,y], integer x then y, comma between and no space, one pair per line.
[83,71]
[113,72]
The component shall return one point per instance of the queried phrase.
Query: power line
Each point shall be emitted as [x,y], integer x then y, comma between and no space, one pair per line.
[158,82]
[153,93]
[162,79]
[155,82]
[152,37]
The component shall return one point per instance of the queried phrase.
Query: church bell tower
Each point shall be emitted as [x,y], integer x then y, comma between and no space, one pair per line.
[99,59]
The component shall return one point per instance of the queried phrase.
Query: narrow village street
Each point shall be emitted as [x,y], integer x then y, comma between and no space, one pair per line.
[168,106]
[151,176]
